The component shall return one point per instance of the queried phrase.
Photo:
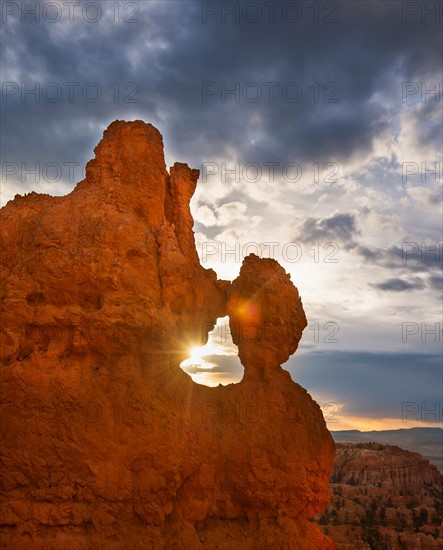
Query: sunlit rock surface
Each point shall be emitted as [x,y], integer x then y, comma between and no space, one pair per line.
[106,442]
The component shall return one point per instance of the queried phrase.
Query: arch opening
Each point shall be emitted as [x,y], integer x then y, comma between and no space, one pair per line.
[216,362]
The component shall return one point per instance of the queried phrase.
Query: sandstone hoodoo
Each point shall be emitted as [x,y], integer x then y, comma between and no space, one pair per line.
[383,497]
[106,442]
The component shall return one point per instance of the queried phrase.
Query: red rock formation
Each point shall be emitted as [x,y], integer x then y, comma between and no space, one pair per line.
[106,442]
[383,497]
[385,466]
[266,329]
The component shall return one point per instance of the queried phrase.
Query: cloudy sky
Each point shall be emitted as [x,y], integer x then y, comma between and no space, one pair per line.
[317,130]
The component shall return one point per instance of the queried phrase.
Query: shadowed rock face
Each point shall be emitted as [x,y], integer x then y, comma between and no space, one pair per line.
[106,442]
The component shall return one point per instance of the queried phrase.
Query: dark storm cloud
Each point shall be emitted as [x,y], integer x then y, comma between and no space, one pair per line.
[371,383]
[427,120]
[171,52]
[411,256]
[436,282]
[407,261]
[338,227]
[399,285]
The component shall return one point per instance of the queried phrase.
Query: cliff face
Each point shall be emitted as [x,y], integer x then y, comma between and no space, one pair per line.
[383,497]
[106,442]
[386,466]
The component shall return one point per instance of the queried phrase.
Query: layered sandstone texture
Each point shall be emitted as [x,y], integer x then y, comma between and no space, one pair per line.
[105,442]
[383,497]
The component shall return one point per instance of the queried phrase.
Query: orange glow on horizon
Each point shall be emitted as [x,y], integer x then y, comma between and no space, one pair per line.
[369,424]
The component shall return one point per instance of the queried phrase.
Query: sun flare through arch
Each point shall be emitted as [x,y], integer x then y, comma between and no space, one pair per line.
[217,361]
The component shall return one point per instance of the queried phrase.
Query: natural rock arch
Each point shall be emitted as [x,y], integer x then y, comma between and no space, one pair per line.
[106,441]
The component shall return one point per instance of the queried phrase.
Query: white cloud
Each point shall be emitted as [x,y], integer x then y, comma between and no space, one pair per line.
[205,215]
